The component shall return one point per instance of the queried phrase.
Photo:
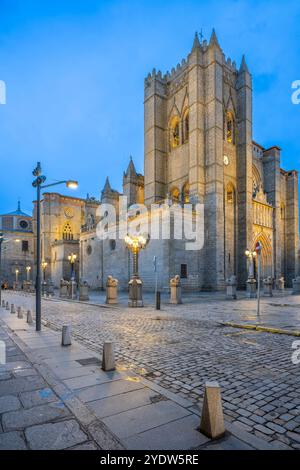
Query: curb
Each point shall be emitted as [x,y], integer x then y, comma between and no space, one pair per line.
[265,329]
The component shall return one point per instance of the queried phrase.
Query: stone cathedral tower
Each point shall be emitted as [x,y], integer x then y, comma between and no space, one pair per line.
[199,147]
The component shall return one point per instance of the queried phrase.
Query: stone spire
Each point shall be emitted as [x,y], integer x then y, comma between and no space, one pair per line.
[131,171]
[244,67]
[196,43]
[213,39]
[107,186]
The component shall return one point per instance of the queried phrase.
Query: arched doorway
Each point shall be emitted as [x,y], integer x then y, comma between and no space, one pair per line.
[266,256]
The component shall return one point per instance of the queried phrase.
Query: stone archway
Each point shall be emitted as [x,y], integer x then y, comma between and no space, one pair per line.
[266,255]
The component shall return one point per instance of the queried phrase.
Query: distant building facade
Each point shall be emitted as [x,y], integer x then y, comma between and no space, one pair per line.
[17,246]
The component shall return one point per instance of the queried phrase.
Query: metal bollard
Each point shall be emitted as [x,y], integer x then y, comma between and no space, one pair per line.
[157,300]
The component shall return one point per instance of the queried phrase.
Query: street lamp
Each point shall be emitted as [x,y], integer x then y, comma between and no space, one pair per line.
[44,266]
[28,269]
[72,258]
[38,183]
[250,255]
[135,244]
[251,282]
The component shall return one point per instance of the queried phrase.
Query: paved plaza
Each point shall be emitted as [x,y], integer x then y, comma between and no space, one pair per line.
[176,350]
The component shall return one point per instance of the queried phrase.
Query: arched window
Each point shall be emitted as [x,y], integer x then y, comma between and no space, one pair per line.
[186,193]
[174,132]
[186,126]
[175,193]
[230,193]
[67,232]
[230,129]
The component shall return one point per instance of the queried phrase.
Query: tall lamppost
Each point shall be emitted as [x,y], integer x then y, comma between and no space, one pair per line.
[17,276]
[38,183]
[72,258]
[135,244]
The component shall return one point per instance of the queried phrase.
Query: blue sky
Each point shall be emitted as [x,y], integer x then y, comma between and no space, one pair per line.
[74,72]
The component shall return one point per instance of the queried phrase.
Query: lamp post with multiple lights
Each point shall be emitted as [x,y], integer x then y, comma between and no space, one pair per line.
[135,244]
[72,258]
[38,183]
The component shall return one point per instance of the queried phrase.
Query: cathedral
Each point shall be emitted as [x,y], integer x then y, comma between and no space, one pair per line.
[199,148]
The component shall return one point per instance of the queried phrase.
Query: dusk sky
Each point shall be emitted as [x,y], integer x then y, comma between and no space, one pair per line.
[74,72]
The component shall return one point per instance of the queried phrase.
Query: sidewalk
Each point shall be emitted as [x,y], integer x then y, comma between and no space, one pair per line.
[54,397]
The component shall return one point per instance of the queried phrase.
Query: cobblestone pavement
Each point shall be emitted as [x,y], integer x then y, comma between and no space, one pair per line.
[183,346]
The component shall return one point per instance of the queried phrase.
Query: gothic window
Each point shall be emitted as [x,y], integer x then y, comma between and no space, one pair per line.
[175,193]
[230,130]
[186,193]
[230,194]
[67,232]
[186,128]
[174,132]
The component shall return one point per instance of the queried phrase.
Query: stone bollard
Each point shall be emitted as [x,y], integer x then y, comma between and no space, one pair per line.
[7,306]
[50,287]
[231,287]
[268,286]
[29,317]
[20,313]
[66,336]
[280,284]
[63,289]
[12,309]
[296,286]
[175,290]
[251,288]
[108,357]
[83,290]
[212,420]
[111,290]
[3,303]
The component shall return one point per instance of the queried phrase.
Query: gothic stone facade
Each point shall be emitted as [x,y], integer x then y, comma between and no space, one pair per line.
[199,148]
[17,247]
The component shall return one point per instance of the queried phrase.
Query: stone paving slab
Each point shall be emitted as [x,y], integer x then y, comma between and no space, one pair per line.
[21,419]
[12,441]
[140,419]
[37,397]
[55,436]
[92,379]
[176,435]
[114,405]
[109,389]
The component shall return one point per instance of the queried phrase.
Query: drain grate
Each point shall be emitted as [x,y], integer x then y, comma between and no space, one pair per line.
[89,361]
